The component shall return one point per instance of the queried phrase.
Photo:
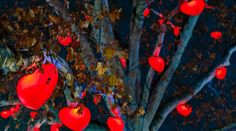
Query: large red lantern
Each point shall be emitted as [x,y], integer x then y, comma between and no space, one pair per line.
[193,7]
[34,89]
[76,119]
[220,73]
[184,109]
[146,12]
[157,63]
[115,124]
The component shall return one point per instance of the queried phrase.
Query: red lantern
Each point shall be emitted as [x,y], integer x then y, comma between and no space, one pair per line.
[216,35]
[193,7]
[115,124]
[34,89]
[176,30]
[123,62]
[36,129]
[157,63]
[64,40]
[5,114]
[33,114]
[54,128]
[184,109]
[75,118]
[146,12]
[220,73]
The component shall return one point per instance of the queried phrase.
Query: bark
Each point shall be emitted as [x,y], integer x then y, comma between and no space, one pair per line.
[86,50]
[133,77]
[159,89]
[171,104]
[151,72]
[102,29]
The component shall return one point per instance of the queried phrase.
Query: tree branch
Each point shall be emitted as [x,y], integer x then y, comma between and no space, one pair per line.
[171,104]
[160,87]
[133,78]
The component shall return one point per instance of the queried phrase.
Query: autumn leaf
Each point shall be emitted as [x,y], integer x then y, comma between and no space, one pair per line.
[53,18]
[101,69]
[115,15]
[109,53]
[113,80]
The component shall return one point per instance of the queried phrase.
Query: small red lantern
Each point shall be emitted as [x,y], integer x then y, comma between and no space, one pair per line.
[184,109]
[220,73]
[216,35]
[75,118]
[123,62]
[146,12]
[115,124]
[97,99]
[157,63]
[34,89]
[176,30]
[5,114]
[193,7]
[33,114]
[64,40]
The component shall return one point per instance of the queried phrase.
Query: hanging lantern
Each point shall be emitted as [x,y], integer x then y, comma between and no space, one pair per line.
[146,12]
[75,118]
[157,63]
[184,109]
[34,89]
[123,62]
[64,40]
[5,114]
[216,35]
[33,114]
[220,73]
[193,7]
[115,124]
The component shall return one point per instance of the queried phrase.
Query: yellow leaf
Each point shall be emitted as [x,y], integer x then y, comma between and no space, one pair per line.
[100,69]
[113,80]
[109,53]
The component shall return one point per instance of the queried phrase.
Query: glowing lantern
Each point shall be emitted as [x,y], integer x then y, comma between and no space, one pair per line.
[216,35]
[5,114]
[34,89]
[36,129]
[184,109]
[193,7]
[176,31]
[75,118]
[33,114]
[115,124]
[65,41]
[220,73]
[146,12]
[54,127]
[123,62]
[157,63]
[13,110]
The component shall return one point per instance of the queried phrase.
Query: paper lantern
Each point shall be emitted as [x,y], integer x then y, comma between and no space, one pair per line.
[220,73]
[75,118]
[115,124]
[193,7]
[216,35]
[5,114]
[184,109]
[123,62]
[64,40]
[157,63]
[146,12]
[34,89]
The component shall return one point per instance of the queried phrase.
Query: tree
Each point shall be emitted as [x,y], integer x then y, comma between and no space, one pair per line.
[92,62]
